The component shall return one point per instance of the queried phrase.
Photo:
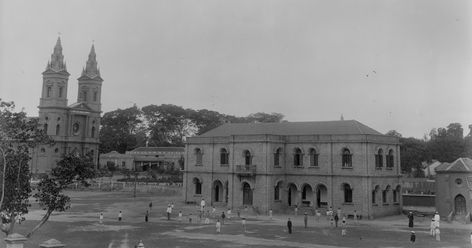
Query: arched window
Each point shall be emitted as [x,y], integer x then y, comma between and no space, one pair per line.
[277,155]
[297,157]
[385,194]
[346,158]
[198,186]
[198,156]
[84,95]
[247,157]
[60,91]
[224,156]
[379,159]
[95,94]
[313,157]
[58,129]
[390,159]
[374,194]
[396,193]
[49,91]
[277,192]
[46,128]
[347,193]
[93,132]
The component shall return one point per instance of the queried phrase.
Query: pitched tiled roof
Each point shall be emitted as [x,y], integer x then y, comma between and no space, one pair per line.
[460,165]
[293,128]
[159,149]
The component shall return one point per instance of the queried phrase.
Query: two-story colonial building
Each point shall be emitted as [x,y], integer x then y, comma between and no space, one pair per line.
[276,166]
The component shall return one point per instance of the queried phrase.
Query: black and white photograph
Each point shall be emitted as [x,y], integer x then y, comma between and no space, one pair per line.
[236,123]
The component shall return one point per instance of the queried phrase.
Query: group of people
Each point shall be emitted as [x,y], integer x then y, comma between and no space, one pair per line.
[101,217]
[333,217]
[434,227]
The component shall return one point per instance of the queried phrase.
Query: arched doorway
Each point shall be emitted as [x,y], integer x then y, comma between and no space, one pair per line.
[321,196]
[217,191]
[460,205]
[307,195]
[292,194]
[247,194]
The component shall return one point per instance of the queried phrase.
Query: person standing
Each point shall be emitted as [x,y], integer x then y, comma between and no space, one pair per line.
[229,213]
[223,216]
[243,221]
[146,216]
[336,219]
[432,228]
[343,227]
[202,205]
[213,210]
[172,205]
[190,218]
[289,226]
[218,226]
[305,219]
[410,219]
[318,215]
[180,216]
[207,221]
[437,219]
[437,233]
[120,216]
[270,213]
[101,218]
[412,237]
[168,211]
[355,216]
[150,205]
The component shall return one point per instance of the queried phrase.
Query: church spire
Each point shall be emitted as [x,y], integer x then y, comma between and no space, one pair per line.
[91,68]
[57,59]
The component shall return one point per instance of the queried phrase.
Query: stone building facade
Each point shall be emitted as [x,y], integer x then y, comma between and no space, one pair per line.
[454,188]
[74,128]
[276,166]
[144,158]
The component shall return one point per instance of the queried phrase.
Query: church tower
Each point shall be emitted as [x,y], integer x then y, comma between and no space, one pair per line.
[53,102]
[90,83]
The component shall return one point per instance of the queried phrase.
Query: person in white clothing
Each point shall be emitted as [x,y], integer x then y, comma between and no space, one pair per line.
[432,227]
[218,226]
[437,219]
[202,205]
[101,218]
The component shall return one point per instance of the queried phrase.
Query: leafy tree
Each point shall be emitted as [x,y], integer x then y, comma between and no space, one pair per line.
[264,117]
[121,130]
[413,153]
[18,135]
[49,192]
[394,133]
[447,144]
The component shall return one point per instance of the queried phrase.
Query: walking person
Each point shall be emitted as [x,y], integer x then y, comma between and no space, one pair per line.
[343,227]
[243,222]
[432,227]
[437,233]
[412,237]
[218,226]
[410,219]
[305,219]
[101,218]
[289,226]
[120,216]
[336,219]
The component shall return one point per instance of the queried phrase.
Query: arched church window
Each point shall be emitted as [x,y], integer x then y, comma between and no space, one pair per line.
[93,132]
[46,128]
[95,94]
[48,92]
[60,91]
[84,96]
[75,128]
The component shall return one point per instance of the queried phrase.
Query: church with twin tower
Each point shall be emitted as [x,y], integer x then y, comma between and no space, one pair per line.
[74,128]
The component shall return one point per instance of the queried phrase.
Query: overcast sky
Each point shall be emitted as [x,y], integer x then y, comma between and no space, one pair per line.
[403,65]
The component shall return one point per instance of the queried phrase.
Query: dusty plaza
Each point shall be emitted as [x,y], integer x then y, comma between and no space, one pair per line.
[80,227]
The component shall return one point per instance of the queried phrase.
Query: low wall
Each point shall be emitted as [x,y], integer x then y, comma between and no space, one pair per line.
[129,187]
[419,200]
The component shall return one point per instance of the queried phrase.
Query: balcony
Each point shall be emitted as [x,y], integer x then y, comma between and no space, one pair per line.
[246,170]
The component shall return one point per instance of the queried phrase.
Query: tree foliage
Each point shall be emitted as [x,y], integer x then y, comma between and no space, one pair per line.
[164,125]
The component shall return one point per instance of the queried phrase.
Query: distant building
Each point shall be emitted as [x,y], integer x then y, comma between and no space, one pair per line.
[74,128]
[143,158]
[429,169]
[454,187]
[307,164]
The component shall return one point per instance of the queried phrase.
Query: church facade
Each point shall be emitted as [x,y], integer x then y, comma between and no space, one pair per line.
[74,128]
[311,165]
